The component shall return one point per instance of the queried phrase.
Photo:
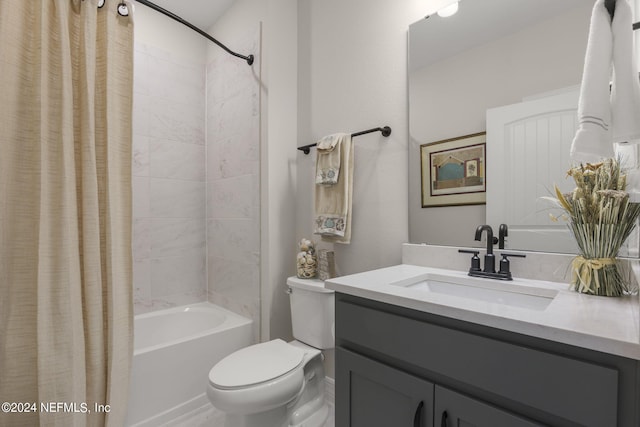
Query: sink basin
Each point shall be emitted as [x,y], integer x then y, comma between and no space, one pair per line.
[512,293]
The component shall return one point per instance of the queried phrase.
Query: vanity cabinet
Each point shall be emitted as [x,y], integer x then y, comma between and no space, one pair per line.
[401,367]
[455,409]
[380,395]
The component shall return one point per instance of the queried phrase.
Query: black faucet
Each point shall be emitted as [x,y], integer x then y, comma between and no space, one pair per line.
[489,257]
[489,270]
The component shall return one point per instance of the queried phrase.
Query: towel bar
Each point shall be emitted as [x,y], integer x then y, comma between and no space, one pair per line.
[386,131]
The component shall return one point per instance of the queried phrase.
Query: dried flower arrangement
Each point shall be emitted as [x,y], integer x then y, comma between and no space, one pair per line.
[601,217]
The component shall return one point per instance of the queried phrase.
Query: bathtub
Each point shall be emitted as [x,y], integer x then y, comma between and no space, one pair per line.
[174,349]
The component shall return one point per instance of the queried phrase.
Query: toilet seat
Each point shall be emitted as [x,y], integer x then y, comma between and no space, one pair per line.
[278,384]
[255,364]
[257,378]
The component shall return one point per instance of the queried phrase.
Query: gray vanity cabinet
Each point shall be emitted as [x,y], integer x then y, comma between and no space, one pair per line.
[455,409]
[400,367]
[381,396]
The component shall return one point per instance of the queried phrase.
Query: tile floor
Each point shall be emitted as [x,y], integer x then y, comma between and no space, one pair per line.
[208,416]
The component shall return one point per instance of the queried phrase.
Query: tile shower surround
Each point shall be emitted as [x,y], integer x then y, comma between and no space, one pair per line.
[196,186]
[233,181]
[169,180]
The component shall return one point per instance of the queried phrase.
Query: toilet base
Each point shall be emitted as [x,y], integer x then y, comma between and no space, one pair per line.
[317,419]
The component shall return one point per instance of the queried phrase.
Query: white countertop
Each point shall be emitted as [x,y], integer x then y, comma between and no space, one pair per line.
[606,324]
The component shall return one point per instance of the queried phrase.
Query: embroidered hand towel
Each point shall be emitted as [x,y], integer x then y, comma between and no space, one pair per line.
[333,202]
[592,141]
[328,158]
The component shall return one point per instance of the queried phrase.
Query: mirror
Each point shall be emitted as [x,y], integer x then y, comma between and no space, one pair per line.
[491,54]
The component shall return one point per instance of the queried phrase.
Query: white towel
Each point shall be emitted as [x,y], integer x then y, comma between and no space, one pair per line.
[607,116]
[592,141]
[333,202]
[625,94]
[328,158]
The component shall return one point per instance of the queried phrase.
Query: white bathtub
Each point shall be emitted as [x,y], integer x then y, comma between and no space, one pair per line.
[174,350]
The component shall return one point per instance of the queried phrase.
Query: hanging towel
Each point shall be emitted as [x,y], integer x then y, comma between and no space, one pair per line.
[592,141]
[608,116]
[328,158]
[625,94]
[333,202]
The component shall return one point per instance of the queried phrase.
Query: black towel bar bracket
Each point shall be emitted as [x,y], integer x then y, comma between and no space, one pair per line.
[386,131]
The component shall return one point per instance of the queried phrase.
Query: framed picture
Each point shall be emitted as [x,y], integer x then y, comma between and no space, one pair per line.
[453,171]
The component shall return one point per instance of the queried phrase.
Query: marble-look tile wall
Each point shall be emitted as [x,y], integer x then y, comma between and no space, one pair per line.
[233,181]
[169,180]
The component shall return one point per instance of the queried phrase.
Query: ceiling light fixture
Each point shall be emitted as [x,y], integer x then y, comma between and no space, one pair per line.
[449,9]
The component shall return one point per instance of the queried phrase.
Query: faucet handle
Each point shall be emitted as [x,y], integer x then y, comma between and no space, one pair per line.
[475,259]
[504,254]
[505,267]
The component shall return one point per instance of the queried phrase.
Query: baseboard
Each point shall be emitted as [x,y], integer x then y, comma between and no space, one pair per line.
[330,390]
[176,412]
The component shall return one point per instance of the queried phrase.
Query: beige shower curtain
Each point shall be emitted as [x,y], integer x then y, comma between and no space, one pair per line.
[65,212]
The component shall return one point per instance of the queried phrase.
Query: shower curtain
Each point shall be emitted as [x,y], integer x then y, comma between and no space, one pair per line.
[66,309]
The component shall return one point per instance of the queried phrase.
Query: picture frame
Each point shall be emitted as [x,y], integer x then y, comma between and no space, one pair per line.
[454,171]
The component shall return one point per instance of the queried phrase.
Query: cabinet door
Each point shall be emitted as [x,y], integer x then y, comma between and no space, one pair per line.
[455,410]
[371,394]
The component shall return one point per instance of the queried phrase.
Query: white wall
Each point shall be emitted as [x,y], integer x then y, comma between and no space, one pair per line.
[353,76]
[280,189]
[154,29]
[233,178]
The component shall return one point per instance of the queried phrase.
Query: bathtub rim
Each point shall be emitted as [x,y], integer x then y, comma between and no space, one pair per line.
[232,320]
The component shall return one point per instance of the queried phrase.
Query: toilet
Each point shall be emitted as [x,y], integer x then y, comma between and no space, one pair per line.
[278,383]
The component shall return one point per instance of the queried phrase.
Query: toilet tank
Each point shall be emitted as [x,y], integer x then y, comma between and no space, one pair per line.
[312,312]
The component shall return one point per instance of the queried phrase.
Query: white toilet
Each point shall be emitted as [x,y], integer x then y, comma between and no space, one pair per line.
[280,384]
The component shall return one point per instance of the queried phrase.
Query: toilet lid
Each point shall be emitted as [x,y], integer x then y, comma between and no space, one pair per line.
[256,364]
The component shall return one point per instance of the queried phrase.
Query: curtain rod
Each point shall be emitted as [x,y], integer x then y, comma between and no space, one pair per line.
[386,131]
[611,7]
[175,17]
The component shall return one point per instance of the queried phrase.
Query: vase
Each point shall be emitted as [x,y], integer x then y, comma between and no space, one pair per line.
[306,262]
[307,265]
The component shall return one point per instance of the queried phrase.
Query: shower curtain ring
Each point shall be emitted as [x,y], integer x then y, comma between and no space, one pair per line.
[123,9]
[101,3]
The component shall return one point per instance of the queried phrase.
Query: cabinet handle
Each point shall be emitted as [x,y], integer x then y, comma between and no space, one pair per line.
[443,422]
[417,418]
